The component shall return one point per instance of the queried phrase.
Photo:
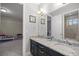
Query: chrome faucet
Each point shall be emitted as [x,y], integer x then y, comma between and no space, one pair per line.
[50,37]
[67,42]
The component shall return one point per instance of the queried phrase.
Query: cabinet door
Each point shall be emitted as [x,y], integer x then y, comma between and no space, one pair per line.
[34,48]
[41,50]
[41,53]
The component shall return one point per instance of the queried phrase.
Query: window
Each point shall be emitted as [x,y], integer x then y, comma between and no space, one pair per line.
[72,22]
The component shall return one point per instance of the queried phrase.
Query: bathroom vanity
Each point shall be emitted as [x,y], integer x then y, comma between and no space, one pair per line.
[37,49]
[45,47]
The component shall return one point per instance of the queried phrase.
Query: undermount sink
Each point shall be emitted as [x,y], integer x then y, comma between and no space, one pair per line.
[62,47]
[73,49]
[65,48]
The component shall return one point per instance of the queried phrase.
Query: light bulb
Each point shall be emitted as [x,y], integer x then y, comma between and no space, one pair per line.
[3,10]
[43,11]
[38,12]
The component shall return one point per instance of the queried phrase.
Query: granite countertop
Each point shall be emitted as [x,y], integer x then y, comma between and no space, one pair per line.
[57,46]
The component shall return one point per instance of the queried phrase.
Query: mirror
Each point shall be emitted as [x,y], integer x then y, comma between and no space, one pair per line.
[42,25]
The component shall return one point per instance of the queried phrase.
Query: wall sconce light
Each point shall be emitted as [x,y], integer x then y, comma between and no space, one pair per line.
[3,10]
[42,12]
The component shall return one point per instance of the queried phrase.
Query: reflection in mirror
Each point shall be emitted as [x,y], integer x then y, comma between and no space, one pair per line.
[71,26]
[48,26]
[42,26]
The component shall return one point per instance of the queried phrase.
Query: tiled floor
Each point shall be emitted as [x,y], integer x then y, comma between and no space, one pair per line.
[11,48]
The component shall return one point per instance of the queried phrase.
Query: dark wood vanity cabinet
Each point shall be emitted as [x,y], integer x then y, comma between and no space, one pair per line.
[38,49]
[41,50]
[33,48]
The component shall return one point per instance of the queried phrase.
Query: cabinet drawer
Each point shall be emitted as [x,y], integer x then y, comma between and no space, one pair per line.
[42,53]
[41,47]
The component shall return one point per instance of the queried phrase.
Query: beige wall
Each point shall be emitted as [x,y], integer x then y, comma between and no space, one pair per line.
[10,26]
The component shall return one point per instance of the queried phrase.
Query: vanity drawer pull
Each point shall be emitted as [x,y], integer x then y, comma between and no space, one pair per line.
[41,47]
[41,51]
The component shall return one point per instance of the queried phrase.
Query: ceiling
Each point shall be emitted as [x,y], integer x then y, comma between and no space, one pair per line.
[15,10]
[50,7]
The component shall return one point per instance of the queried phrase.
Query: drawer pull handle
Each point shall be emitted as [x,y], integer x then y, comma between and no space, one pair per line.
[41,51]
[41,47]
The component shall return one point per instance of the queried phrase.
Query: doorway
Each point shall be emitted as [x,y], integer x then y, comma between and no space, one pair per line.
[48,26]
[11,26]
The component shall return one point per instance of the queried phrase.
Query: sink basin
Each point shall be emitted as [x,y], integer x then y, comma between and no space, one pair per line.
[66,49]
[73,48]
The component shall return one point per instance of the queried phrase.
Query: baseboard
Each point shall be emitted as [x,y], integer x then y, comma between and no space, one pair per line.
[28,54]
